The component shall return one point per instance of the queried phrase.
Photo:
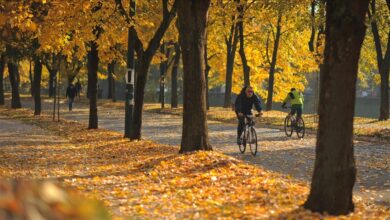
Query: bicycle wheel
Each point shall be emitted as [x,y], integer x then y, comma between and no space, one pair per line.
[288,128]
[300,128]
[242,146]
[253,141]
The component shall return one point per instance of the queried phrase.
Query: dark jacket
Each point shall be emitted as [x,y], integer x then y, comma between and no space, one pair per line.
[71,91]
[244,104]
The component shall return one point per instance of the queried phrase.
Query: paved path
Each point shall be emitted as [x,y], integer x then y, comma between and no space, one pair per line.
[290,156]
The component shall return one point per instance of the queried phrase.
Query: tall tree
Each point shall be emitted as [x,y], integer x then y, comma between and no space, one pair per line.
[192,17]
[163,71]
[37,85]
[111,81]
[52,64]
[244,60]
[144,59]
[2,67]
[13,70]
[383,62]
[271,78]
[207,71]
[231,47]
[93,62]
[30,75]
[175,67]
[335,172]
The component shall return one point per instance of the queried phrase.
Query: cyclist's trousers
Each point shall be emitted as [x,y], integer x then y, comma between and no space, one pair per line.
[296,109]
[241,125]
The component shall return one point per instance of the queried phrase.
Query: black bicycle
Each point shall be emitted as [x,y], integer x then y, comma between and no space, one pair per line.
[248,136]
[291,123]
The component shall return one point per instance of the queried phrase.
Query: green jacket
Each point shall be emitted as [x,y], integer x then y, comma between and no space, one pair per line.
[294,97]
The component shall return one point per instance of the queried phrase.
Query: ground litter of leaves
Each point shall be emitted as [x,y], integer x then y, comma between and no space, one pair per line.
[146,180]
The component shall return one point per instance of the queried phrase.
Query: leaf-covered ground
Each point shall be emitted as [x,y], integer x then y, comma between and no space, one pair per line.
[278,153]
[148,180]
[365,127]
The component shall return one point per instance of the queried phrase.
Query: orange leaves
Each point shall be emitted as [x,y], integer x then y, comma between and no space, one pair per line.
[22,200]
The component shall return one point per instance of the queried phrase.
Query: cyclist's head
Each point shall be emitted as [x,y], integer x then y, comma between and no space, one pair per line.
[293,89]
[249,91]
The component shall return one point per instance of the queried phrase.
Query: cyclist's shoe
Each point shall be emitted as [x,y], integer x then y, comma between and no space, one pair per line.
[239,141]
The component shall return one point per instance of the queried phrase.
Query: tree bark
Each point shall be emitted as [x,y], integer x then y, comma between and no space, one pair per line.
[231,46]
[111,81]
[192,16]
[37,85]
[384,72]
[52,65]
[13,70]
[52,76]
[273,64]
[240,26]
[142,71]
[313,26]
[335,172]
[2,67]
[163,71]
[175,67]
[206,58]
[144,59]
[93,61]
[31,79]
[383,63]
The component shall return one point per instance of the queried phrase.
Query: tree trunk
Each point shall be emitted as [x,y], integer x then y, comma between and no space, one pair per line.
[192,17]
[273,64]
[313,25]
[384,72]
[163,70]
[335,172]
[144,59]
[37,85]
[175,67]
[93,61]
[142,73]
[52,76]
[2,67]
[31,79]
[240,26]
[111,81]
[383,63]
[13,70]
[207,74]
[231,46]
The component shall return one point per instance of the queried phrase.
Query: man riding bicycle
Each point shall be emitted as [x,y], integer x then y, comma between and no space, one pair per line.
[296,99]
[243,106]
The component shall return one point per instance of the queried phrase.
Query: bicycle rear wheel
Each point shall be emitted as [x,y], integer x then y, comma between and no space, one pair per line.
[288,128]
[242,146]
[253,141]
[300,128]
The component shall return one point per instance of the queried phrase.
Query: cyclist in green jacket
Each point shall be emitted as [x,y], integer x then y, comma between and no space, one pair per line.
[296,99]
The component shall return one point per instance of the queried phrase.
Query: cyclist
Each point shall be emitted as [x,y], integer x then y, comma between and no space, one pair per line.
[296,99]
[243,106]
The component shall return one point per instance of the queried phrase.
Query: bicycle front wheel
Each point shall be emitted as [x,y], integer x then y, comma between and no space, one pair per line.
[288,128]
[242,145]
[300,128]
[253,141]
